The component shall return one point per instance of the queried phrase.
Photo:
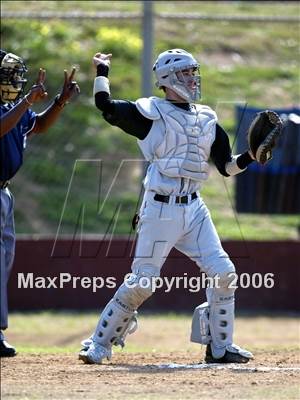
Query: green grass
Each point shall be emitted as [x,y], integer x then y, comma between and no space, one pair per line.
[53,332]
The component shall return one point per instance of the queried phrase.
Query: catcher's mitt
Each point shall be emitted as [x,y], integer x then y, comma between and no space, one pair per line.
[263,134]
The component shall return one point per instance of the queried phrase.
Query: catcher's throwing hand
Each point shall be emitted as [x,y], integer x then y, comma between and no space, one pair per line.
[263,134]
[100,58]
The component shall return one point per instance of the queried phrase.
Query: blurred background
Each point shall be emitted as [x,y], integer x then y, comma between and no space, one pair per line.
[249,57]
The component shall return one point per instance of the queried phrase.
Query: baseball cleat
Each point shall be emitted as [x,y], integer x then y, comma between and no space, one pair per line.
[86,344]
[6,350]
[95,354]
[233,354]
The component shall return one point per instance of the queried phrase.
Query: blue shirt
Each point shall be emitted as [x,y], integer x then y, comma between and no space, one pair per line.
[13,143]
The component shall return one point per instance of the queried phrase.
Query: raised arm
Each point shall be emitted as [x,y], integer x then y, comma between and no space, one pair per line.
[121,113]
[48,117]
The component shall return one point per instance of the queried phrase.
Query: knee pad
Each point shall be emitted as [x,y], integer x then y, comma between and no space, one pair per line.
[225,274]
[139,286]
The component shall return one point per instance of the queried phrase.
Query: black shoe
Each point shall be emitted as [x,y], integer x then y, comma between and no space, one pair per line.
[6,350]
[228,357]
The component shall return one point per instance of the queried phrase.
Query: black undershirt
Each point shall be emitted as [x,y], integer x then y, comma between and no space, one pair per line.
[126,116]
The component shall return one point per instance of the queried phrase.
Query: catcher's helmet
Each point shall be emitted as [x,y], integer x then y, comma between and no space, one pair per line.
[168,71]
[12,81]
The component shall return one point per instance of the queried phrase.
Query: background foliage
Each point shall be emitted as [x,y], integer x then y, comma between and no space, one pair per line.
[252,62]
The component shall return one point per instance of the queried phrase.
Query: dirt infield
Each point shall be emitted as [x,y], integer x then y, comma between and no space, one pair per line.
[161,374]
[140,376]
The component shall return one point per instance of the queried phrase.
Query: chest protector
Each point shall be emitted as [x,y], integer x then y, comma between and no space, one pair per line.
[183,141]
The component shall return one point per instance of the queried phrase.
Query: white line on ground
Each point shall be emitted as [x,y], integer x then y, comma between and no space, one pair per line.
[174,366]
[232,367]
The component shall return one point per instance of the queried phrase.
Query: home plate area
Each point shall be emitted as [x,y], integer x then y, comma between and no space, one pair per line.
[226,367]
[231,367]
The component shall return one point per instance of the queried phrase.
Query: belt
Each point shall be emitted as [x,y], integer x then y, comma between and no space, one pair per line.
[178,199]
[4,184]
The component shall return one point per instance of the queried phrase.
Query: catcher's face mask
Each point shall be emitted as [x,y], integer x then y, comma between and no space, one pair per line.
[186,83]
[178,70]
[12,81]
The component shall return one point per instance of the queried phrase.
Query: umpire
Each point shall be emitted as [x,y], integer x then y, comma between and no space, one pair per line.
[19,122]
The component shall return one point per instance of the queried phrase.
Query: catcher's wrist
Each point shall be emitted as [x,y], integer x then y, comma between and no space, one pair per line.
[59,103]
[102,70]
[232,167]
[101,84]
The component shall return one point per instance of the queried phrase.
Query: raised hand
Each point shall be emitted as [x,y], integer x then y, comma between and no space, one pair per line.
[70,86]
[101,58]
[38,90]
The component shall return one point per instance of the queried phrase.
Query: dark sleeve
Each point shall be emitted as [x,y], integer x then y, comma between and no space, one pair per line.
[121,113]
[221,152]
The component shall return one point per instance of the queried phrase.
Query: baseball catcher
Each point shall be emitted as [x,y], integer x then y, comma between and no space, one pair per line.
[177,136]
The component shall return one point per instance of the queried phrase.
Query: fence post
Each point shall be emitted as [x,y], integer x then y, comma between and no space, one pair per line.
[147,27]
